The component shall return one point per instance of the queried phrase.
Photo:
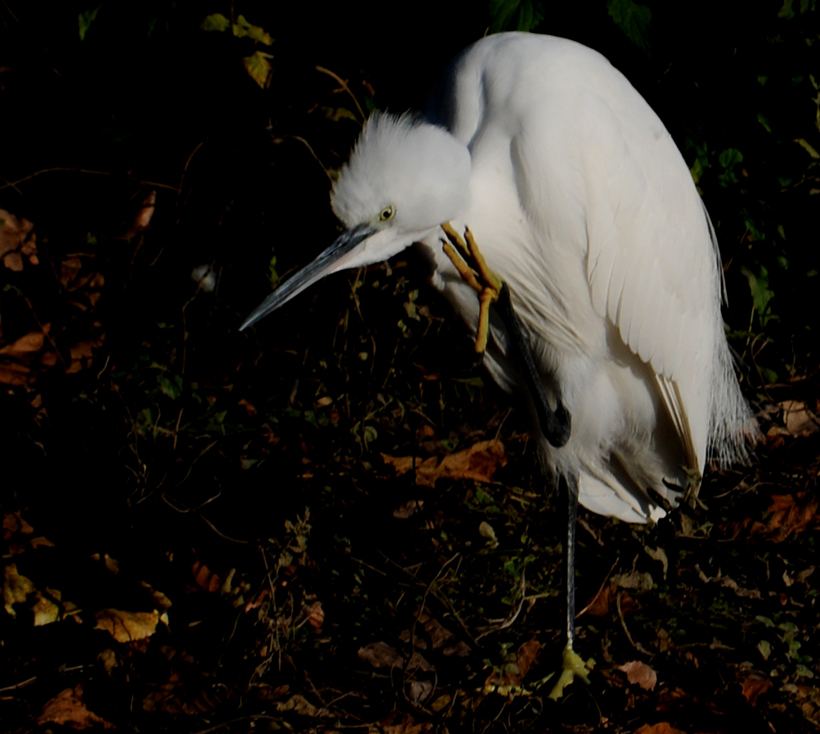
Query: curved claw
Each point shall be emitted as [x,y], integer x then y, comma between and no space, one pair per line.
[473,268]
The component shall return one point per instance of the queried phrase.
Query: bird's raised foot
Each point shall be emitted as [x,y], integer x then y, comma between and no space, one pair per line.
[473,268]
[573,666]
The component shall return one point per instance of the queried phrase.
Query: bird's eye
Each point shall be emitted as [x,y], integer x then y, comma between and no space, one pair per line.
[386,214]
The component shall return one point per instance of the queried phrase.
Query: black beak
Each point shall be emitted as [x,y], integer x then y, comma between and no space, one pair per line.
[310,274]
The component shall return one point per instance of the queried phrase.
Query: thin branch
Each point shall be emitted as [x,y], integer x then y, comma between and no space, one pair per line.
[343,85]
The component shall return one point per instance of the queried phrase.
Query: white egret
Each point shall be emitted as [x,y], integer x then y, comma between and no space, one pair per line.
[582,204]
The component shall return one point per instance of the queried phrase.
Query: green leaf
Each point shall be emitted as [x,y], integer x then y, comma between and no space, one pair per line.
[761,293]
[216,22]
[765,649]
[787,11]
[728,159]
[515,15]
[86,18]
[171,385]
[258,67]
[633,19]
[242,29]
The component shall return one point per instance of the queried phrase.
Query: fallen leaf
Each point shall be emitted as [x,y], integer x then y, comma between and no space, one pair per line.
[478,462]
[640,673]
[408,509]
[439,634]
[660,728]
[315,616]
[790,514]
[14,523]
[15,588]
[753,688]
[302,706]
[67,708]
[127,626]
[513,673]
[601,604]
[527,654]
[798,419]
[16,241]
[145,213]
[205,579]
[45,611]
[109,659]
[173,697]
[381,655]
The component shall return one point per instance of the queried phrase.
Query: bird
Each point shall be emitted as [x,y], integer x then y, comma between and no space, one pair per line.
[565,197]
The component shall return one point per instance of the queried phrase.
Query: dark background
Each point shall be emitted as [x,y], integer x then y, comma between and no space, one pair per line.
[139,423]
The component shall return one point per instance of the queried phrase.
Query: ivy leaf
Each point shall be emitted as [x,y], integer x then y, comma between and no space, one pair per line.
[761,293]
[86,18]
[216,22]
[518,15]
[242,28]
[258,67]
[633,19]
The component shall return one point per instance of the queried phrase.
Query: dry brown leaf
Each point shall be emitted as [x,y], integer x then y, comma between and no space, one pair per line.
[513,674]
[112,564]
[14,523]
[527,654]
[798,419]
[127,626]
[17,358]
[753,688]
[601,604]
[407,727]
[45,610]
[15,588]
[439,635]
[15,242]
[161,602]
[302,706]
[478,462]
[109,659]
[381,655]
[315,616]
[661,727]
[790,514]
[143,218]
[408,509]
[67,708]
[175,698]
[640,673]
[204,578]
[25,346]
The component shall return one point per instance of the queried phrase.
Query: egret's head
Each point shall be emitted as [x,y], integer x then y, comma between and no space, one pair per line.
[405,177]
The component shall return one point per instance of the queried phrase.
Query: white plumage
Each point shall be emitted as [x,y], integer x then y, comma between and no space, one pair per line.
[581,202]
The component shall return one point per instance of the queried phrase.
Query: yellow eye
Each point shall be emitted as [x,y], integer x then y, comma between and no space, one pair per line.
[386,214]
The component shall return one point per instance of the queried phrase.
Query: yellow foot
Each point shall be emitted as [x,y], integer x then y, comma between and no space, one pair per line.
[573,667]
[473,268]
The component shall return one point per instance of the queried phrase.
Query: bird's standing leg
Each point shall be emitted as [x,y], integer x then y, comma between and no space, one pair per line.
[554,424]
[572,664]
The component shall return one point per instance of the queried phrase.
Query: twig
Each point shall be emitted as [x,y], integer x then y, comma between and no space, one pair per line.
[21,684]
[343,85]
[13,184]
[637,645]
